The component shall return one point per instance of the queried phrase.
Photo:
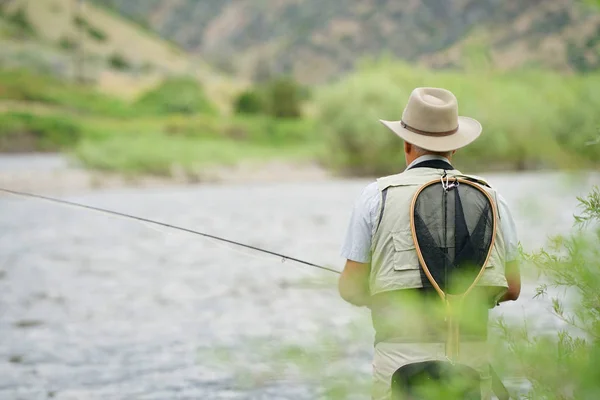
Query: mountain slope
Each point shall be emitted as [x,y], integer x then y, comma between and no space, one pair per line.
[316,39]
[117,55]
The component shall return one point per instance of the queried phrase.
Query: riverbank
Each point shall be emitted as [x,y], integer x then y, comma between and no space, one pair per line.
[55,173]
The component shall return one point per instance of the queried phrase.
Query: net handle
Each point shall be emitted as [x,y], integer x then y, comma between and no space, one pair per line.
[435,285]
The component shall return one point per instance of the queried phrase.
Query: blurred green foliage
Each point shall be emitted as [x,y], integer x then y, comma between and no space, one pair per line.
[20,21]
[181,95]
[21,85]
[530,118]
[118,62]
[284,98]
[94,32]
[66,43]
[280,98]
[250,102]
[26,132]
[564,365]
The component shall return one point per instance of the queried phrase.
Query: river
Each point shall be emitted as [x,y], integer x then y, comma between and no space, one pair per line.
[97,307]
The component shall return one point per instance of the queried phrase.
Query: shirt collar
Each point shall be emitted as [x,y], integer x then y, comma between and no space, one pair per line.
[427,157]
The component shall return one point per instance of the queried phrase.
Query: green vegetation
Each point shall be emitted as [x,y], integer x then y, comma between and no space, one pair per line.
[172,128]
[186,146]
[66,43]
[570,357]
[118,62]
[279,98]
[94,32]
[24,86]
[180,95]
[20,20]
[531,118]
[250,102]
[26,132]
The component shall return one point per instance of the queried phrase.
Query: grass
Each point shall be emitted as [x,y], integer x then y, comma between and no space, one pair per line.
[158,154]
[21,85]
[24,131]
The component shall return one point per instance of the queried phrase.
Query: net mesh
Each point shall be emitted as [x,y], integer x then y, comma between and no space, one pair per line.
[454,230]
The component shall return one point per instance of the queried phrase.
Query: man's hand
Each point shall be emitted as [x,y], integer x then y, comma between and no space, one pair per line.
[354,283]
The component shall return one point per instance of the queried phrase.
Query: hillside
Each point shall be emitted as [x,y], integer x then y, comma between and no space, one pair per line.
[317,39]
[98,46]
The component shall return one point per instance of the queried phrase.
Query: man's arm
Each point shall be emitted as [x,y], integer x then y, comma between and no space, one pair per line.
[354,283]
[513,276]
[512,273]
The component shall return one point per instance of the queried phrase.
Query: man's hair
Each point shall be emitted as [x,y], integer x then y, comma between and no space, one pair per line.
[422,152]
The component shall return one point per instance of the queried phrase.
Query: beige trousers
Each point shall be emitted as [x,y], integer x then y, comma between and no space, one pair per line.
[389,357]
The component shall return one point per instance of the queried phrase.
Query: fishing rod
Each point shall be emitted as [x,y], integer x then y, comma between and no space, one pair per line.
[170,226]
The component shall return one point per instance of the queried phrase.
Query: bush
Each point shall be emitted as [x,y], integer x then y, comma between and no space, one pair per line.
[180,95]
[250,102]
[21,21]
[118,62]
[20,132]
[97,34]
[531,118]
[565,365]
[66,43]
[284,97]
[279,98]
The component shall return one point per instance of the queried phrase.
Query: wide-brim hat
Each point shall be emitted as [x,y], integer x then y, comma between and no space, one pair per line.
[431,121]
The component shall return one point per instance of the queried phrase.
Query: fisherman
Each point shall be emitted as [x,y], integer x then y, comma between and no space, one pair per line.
[382,267]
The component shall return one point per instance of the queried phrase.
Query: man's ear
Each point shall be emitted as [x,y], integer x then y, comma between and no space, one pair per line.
[407,147]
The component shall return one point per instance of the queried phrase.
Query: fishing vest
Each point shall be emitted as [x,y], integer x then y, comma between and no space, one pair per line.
[394,262]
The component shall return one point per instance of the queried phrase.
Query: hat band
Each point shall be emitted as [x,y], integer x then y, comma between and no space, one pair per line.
[425,133]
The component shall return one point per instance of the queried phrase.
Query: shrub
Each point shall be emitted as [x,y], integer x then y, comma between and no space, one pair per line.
[97,34]
[279,98]
[284,97]
[179,95]
[250,102]
[20,19]
[66,43]
[29,132]
[564,365]
[118,62]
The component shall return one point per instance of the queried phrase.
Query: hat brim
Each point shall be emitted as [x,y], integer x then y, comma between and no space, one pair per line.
[468,130]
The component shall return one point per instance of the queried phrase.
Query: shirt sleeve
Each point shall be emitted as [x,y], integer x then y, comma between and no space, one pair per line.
[509,230]
[357,244]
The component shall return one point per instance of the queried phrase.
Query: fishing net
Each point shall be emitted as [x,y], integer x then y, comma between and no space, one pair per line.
[453,226]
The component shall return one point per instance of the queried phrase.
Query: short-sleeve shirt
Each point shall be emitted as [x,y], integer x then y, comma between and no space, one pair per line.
[357,244]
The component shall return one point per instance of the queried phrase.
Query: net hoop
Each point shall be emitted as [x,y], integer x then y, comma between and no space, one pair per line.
[435,285]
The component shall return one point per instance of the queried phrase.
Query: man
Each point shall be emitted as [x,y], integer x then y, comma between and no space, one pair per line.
[382,268]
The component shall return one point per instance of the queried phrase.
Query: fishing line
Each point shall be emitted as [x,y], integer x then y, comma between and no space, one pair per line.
[170,226]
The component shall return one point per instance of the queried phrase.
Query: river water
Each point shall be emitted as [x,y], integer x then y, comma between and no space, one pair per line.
[97,307]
